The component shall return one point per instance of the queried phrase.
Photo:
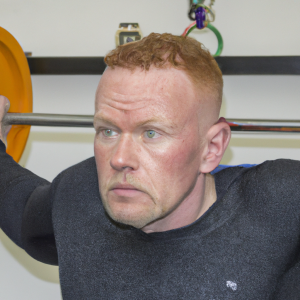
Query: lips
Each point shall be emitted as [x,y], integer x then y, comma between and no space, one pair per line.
[125,190]
[124,186]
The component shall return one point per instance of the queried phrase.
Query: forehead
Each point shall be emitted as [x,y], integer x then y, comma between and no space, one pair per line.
[139,94]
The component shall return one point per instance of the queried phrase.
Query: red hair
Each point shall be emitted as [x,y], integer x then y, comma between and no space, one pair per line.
[165,50]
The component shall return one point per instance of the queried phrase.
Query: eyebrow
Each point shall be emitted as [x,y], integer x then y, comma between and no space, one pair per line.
[163,121]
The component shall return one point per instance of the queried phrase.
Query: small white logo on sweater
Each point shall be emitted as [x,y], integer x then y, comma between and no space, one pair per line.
[232,285]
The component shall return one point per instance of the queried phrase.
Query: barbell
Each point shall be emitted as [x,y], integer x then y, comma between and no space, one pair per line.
[87,121]
[15,84]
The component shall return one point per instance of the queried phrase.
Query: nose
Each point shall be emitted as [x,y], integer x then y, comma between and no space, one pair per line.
[125,155]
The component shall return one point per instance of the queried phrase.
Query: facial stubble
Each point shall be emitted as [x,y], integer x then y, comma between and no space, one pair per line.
[128,215]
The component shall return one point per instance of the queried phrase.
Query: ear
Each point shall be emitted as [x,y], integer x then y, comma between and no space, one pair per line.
[218,137]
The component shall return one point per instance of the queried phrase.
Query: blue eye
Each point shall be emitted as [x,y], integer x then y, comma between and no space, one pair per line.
[109,132]
[150,133]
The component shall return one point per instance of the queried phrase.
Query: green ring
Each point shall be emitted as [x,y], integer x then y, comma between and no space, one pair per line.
[216,32]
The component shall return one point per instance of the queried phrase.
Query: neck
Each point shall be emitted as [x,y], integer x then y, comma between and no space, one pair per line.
[190,209]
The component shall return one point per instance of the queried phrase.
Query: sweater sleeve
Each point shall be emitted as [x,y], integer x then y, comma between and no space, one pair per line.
[25,209]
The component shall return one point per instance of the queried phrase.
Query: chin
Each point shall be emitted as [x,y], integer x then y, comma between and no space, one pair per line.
[137,217]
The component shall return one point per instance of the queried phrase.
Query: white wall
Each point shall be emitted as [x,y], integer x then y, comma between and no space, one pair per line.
[87,28]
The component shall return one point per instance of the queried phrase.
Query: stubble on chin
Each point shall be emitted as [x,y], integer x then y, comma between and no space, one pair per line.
[129,215]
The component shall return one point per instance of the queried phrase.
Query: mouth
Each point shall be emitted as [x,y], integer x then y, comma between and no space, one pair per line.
[125,190]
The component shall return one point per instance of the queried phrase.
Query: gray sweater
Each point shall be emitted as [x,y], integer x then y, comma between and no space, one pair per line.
[246,246]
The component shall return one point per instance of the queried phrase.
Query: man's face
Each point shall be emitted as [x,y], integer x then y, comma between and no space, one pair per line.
[147,143]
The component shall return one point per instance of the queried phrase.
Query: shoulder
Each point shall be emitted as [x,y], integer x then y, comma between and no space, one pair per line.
[86,165]
[280,167]
[279,175]
[284,171]
[80,176]
[270,184]
[82,169]
[272,200]
[267,196]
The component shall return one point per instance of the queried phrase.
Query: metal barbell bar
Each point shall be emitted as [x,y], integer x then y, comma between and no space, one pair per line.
[36,119]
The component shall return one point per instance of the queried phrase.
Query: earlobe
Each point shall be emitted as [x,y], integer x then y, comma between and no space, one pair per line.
[218,137]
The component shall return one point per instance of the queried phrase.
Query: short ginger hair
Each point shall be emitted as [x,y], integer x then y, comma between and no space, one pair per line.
[165,50]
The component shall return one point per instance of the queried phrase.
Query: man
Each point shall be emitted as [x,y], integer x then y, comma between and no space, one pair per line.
[144,219]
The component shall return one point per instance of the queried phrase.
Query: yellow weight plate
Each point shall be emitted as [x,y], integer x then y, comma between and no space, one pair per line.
[15,84]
